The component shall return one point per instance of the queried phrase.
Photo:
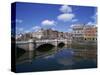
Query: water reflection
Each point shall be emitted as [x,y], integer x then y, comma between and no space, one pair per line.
[61,59]
[65,57]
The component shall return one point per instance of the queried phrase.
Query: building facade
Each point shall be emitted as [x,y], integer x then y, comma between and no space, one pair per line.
[84,32]
[78,32]
[90,33]
[68,36]
[23,37]
[37,35]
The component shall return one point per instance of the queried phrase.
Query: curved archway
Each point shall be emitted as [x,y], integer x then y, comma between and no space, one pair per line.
[45,47]
[61,44]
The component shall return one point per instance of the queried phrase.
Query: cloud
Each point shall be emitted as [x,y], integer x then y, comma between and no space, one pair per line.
[91,23]
[19,21]
[27,31]
[20,29]
[53,28]
[94,17]
[69,30]
[94,20]
[48,23]
[75,25]
[72,25]
[65,9]
[36,28]
[66,17]
[74,20]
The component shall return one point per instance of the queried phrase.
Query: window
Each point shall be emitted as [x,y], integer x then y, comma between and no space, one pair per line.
[93,38]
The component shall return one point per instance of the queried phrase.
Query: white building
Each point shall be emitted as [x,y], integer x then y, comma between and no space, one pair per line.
[38,34]
[78,31]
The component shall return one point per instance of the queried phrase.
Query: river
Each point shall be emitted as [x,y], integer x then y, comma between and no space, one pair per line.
[62,60]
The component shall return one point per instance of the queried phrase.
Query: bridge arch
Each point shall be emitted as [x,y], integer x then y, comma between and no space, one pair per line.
[61,44]
[44,47]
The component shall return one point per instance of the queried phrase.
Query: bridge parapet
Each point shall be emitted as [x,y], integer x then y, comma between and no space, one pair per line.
[31,44]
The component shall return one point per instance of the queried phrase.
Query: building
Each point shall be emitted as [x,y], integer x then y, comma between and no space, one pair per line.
[45,34]
[37,35]
[68,36]
[78,32]
[90,33]
[84,32]
[23,37]
[49,34]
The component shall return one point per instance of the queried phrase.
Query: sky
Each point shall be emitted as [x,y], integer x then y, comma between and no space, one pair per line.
[31,17]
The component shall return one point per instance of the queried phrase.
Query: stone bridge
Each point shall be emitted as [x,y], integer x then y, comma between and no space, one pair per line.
[31,44]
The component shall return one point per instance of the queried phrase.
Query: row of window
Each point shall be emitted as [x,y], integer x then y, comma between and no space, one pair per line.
[84,38]
[90,39]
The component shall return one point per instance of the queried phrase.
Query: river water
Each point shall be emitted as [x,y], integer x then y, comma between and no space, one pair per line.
[62,60]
